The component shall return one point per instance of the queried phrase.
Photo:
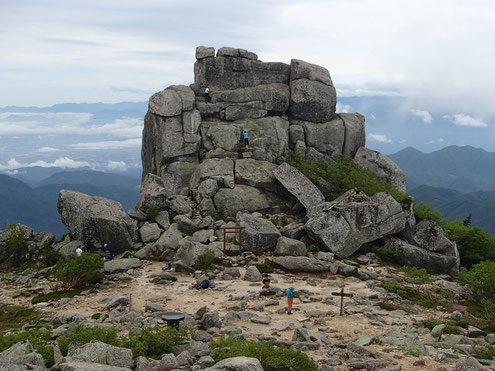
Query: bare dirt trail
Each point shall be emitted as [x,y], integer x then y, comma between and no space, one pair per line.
[179,296]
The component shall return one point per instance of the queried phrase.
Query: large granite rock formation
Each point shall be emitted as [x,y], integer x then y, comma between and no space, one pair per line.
[97,220]
[197,166]
[187,141]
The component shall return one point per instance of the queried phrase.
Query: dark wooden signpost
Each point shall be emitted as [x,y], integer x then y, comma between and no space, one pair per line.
[342,294]
[235,229]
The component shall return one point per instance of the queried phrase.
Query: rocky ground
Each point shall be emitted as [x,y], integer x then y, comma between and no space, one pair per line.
[366,337]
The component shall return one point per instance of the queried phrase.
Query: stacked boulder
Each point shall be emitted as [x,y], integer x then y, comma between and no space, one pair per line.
[192,147]
[199,175]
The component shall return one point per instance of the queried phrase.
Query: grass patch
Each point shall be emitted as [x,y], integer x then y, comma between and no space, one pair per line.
[14,317]
[272,358]
[188,230]
[57,295]
[411,294]
[483,352]
[386,255]
[451,326]
[265,267]
[415,275]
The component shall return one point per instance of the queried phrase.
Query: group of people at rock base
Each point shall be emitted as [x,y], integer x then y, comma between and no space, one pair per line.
[108,256]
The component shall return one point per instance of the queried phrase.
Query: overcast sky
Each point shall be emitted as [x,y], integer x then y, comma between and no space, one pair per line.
[438,55]
[55,51]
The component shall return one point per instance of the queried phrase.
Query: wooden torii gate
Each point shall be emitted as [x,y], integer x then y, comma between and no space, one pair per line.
[235,229]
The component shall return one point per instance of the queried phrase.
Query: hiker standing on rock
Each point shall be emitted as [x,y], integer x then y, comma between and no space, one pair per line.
[246,138]
[290,299]
[207,95]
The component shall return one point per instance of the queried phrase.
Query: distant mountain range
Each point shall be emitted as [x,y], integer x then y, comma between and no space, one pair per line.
[36,206]
[457,181]
[465,169]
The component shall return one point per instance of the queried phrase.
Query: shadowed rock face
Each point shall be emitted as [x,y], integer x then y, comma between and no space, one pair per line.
[97,220]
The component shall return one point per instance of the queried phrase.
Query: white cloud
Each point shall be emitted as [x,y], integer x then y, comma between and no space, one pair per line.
[63,162]
[379,138]
[47,150]
[423,115]
[466,120]
[117,165]
[66,123]
[109,144]
[343,108]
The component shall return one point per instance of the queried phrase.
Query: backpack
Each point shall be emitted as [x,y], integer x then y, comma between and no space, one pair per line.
[204,284]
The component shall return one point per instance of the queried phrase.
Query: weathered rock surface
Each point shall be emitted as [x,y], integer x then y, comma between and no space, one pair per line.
[259,234]
[421,258]
[355,136]
[102,353]
[121,265]
[245,199]
[257,174]
[97,220]
[430,236]
[87,366]
[299,185]
[290,246]
[326,137]
[234,72]
[237,364]
[22,353]
[384,168]
[252,274]
[189,251]
[312,95]
[302,264]
[344,225]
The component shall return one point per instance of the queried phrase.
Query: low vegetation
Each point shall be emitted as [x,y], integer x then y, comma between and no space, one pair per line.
[57,295]
[205,260]
[416,275]
[150,342]
[16,245]
[14,316]
[272,358]
[79,271]
[39,339]
[342,175]
[265,267]
[424,299]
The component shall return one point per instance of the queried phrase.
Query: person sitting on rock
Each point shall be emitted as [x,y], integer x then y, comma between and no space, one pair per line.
[266,281]
[290,299]
[207,95]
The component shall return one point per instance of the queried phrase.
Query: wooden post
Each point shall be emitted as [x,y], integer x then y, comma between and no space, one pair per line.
[342,294]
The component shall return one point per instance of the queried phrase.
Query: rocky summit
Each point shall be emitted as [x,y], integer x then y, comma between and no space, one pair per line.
[220,205]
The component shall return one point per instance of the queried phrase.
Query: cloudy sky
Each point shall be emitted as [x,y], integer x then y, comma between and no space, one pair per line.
[438,55]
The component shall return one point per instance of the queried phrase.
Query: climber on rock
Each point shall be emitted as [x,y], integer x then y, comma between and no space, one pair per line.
[207,95]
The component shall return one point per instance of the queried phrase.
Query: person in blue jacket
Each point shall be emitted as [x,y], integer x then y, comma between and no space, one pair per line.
[246,138]
[290,299]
